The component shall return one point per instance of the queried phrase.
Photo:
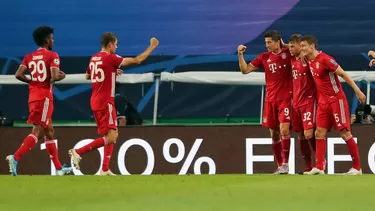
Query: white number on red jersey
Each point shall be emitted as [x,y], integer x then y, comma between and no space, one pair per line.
[40,68]
[97,74]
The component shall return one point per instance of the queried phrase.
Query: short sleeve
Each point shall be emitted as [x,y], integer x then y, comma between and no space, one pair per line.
[24,62]
[116,60]
[55,61]
[257,62]
[330,63]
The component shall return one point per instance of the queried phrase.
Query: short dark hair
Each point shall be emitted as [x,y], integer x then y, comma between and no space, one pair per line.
[41,33]
[275,35]
[107,38]
[310,39]
[295,38]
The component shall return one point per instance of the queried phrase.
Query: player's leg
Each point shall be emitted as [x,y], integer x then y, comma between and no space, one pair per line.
[53,152]
[269,121]
[284,117]
[35,118]
[340,112]
[297,126]
[107,126]
[323,124]
[308,112]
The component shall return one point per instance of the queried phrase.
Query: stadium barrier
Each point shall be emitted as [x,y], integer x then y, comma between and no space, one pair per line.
[220,78]
[184,150]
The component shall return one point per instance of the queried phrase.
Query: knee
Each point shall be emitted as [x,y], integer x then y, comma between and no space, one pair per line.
[345,134]
[320,133]
[275,135]
[284,130]
[112,136]
[38,131]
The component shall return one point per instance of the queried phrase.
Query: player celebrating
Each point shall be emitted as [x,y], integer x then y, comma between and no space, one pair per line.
[333,107]
[102,72]
[44,67]
[304,101]
[276,117]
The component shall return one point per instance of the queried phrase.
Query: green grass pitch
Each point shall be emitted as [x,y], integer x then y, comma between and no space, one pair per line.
[195,193]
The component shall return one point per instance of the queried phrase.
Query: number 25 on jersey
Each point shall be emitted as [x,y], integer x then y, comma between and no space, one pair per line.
[39,70]
[97,74]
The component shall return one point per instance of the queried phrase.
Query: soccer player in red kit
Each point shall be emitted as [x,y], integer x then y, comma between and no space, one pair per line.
[304,101]
[333,109]
[277,106]
[44,67]
[102,71]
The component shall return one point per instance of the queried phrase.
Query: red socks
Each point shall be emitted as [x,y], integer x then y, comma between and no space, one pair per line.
[353,149]
[321,148]
[27,145]
[277,151]
[306,152]
[285,142]
[53,153]
[107,156]
[99,142]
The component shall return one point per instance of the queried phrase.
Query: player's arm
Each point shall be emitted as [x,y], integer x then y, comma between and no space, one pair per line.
[244,67]
[361,97]
[56,73]
[20,74]
[143,56]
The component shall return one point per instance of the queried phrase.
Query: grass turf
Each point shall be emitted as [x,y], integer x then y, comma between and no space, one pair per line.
[179,193]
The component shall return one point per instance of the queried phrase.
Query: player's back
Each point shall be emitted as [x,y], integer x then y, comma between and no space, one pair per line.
[39,63]
[102,68]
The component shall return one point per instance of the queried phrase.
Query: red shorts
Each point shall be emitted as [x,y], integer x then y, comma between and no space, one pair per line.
[275,113]
[336,114]
[40,112]
[106,119]
[303,117]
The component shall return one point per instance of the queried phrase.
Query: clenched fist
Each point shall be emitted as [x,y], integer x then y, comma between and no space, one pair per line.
[241,49]
[154,42]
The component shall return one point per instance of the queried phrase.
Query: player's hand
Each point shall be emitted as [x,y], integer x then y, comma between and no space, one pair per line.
[62,74]
[361,97]
[154,42]
[372,63]
[119,72]
[241,49]
[370,53]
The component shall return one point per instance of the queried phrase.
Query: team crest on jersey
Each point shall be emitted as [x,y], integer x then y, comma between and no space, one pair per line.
[317,65]
[333,62]
[283,56]
[56,61]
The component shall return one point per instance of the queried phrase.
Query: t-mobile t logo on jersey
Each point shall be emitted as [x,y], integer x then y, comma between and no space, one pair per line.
[272,67]
[294,72]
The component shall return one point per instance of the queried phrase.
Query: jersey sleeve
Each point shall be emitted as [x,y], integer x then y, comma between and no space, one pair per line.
[24,62]
[55,61]
[331,64]
[257,62]
[116,60]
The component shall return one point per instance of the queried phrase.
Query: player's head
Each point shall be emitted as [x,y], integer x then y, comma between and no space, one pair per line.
[309,44]
[295,44]
[273,40]
[43,37]
[109,41]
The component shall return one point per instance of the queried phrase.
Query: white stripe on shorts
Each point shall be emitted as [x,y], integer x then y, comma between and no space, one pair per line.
[45,110]
[342,111]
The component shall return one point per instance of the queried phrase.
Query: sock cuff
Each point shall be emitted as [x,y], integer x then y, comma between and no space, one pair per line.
[348,138]
[285,136]
[276,141]
[34,137]
[49,141]
[105,141]
[320,139]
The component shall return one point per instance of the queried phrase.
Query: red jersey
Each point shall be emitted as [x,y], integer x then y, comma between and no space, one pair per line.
[278,73]
[102,68]
[39,63]
[303,83]
[328,85]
